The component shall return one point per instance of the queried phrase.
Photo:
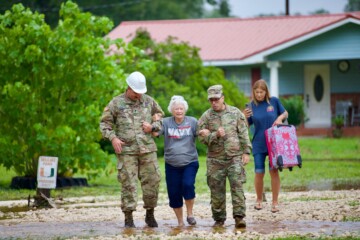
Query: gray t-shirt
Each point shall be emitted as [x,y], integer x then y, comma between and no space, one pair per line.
[179,141]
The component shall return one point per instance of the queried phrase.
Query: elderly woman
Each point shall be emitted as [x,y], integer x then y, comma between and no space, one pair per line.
[181,158]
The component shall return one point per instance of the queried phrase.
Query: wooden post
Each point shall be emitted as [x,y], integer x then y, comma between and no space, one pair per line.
[46,180]
[41,201]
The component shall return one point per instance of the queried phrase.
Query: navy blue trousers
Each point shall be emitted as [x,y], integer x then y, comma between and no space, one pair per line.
[180,183]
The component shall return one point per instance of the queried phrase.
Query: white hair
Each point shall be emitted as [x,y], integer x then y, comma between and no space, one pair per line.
[177,100]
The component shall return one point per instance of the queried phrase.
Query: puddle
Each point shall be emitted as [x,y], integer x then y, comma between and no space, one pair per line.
[15,209]
[333,185]
[168,227]
[323,185]
[10,212]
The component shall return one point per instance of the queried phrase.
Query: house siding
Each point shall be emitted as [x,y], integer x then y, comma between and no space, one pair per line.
[339,43]
[241,76]
[348,82]
[291,78]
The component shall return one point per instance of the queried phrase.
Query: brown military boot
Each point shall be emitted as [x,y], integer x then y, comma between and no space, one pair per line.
[129,222]
[219,223]
[239,222]
[150,219]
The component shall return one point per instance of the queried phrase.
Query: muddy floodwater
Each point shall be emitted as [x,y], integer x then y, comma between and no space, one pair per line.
[311,213]
[48,230]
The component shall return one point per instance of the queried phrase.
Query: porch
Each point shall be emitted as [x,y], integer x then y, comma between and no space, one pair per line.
[347,106]
[344,105]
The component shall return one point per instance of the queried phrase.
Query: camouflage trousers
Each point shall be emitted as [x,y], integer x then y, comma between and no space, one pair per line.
[217,172]
[145,168]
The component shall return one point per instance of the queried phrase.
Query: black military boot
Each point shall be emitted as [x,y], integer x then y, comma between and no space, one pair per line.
[129,221]
[150,219]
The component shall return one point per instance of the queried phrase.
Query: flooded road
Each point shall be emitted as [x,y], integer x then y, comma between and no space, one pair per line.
[51,230]
[313,213]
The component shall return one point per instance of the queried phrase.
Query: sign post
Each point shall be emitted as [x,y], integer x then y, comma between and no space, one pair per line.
[46,179]
[47,172]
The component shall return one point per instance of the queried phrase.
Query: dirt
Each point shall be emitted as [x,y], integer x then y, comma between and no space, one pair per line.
[310,213]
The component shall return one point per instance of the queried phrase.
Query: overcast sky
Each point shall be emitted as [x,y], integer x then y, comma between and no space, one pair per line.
[251,8]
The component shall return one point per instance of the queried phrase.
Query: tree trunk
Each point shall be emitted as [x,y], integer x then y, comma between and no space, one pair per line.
[42,198]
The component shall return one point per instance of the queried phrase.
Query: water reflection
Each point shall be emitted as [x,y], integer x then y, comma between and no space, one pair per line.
[114,228]
[9,212]
[15,209]
[129,232]
[219,230]
[176,230]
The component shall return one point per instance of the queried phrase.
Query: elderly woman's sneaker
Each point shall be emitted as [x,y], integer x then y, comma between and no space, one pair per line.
[191,220]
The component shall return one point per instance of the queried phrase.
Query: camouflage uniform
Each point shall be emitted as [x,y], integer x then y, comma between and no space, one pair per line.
[122,118]
[224,158]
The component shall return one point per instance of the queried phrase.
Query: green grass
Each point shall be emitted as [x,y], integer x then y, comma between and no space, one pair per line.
[327,164]
[329,148]
[296,237]
[351,219]
[316,174]
[354,203]
[309,199]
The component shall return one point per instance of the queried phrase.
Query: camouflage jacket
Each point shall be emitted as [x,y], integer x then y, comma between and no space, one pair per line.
[123,117]
[236,140]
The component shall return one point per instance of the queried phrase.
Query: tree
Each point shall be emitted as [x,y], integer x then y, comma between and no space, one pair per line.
[127,10]
[221,8]
[55,83]
[53,87]
[352,6]
[50,8]
[177,69]
[319,11]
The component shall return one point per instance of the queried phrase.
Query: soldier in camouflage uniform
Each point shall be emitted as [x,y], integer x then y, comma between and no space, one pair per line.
[128,122]
[223,129]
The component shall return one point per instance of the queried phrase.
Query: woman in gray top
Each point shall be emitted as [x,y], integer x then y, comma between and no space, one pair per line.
[181,158]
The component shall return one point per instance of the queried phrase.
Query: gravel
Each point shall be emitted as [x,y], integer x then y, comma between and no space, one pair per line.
[311,214]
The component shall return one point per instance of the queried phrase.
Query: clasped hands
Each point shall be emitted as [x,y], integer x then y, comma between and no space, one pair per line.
[220,133]
[117,143]
[146,127]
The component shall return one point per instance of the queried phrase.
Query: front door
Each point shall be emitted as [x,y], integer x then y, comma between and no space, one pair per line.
[317,96]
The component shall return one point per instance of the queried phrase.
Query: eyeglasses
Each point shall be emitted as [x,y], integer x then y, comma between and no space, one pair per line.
[214,99]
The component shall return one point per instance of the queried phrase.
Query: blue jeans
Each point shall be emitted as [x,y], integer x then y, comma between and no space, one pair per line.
[259,160]
[180,183]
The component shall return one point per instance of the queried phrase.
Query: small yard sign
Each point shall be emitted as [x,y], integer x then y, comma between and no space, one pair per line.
[47,172]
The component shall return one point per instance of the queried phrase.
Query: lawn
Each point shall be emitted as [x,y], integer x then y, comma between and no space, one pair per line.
[327,164]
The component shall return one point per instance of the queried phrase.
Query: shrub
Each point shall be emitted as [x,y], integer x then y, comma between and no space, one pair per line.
[295,107]
[53,87]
